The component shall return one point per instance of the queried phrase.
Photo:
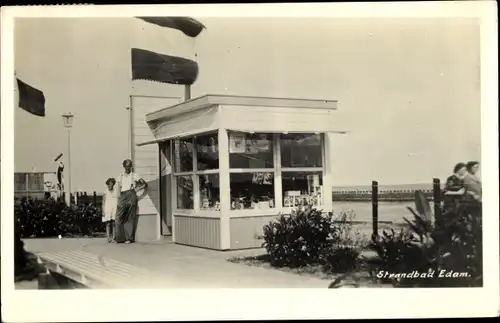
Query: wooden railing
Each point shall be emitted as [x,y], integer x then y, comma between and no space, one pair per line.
[383,195]
[435,195]
[87,198]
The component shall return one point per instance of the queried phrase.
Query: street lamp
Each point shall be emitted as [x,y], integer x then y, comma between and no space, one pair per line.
[68,123]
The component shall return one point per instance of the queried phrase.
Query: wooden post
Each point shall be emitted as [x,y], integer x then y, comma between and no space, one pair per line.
[187,92]
[46,281]
[436,188]
[375,207]
[95,198]
[43,281]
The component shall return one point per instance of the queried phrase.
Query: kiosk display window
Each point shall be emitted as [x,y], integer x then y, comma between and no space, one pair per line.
[207,152]
[185,192]
[301,169]
[301,150]
[302,188]
[209,192]
[197,157]
[250,156]
[183,155]
[250,150]
[254,161]
[252,190]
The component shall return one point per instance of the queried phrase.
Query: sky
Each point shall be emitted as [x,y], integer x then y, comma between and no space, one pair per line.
[408,89]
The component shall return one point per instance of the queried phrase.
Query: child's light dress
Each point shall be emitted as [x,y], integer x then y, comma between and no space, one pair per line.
[110,203]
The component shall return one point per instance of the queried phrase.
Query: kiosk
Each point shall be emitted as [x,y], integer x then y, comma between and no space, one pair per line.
[234,163]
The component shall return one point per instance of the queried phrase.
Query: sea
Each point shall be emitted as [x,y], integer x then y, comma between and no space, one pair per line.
[391,212]
[381,187]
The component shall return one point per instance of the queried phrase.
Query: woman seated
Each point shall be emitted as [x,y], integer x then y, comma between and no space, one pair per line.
[472,182]
[454,187]
[455,183]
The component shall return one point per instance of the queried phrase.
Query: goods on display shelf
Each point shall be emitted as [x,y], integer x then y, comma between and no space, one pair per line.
[237,143]
[263,178]
[207,207]
[292,199]
[206,200]
[241,143]
[263,204]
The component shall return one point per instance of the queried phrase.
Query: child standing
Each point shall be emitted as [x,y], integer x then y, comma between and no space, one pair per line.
[110,200]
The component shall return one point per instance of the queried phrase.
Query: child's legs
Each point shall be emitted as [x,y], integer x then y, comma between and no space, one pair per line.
[108,229]
[112,228]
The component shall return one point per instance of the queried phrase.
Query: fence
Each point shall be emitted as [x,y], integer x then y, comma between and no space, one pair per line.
[435,195]
[32,194]
[383,196]
[86,198]
[76,198]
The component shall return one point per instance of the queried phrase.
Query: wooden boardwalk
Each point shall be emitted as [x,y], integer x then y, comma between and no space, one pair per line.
[95,271]
[157,265]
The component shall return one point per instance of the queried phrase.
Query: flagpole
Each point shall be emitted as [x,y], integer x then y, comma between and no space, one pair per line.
[68,199]
[131,94]
[68,123]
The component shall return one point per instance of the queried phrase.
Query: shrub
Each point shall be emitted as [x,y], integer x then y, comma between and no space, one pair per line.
[50,218]
[344,254]
[19,254]
[451,241]
[347,236]
[341,260]
[299,239]
[397,251]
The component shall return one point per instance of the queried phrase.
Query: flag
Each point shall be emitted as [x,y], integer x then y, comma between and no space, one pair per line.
[31,99]
[160,53]
[189,26]
[58,157]
[152,66]
[60,174]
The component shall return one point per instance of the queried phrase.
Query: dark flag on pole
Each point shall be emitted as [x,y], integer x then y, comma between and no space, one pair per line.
[31,99]
[159,67]
[60,171]
[60,174]
[151,66]
[189,26]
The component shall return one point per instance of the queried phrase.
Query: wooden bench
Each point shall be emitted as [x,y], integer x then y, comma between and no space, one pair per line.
[94,271]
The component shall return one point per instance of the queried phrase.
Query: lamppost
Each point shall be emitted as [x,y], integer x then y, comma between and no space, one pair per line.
[68,123]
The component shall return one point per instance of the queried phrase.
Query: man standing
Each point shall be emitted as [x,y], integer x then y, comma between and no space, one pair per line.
[126,214]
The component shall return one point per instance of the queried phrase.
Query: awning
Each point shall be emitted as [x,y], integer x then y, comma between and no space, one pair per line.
[176,136]
[207,130]
[264,130]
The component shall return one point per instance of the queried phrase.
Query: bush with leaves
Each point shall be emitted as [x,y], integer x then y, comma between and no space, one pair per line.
[341,259]
[19,254]
[343,256]
[397,251]
[450,241]
[50,218]
[299,239]
[347,235]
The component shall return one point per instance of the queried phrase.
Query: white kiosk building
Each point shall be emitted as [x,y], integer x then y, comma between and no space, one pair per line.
[230,164]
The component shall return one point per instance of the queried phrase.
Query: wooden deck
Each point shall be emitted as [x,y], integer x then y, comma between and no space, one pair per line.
[157,265]
[95,271]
